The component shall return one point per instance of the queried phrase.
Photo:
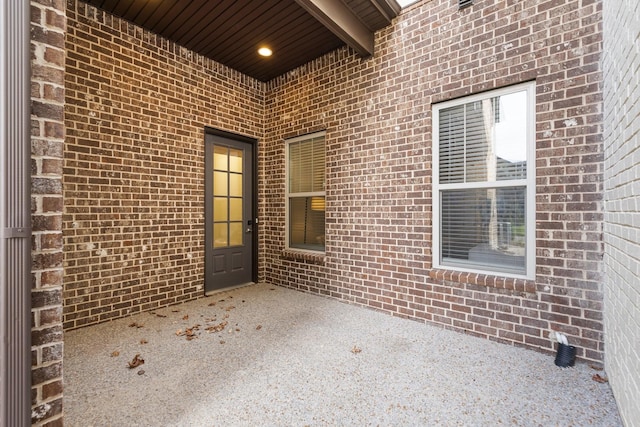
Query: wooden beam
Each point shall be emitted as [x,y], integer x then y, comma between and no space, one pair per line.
[341,21]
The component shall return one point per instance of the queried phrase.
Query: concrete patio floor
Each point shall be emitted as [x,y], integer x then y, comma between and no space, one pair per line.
[263,355]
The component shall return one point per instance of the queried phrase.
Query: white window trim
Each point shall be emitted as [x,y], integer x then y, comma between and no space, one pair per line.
[305,194]
[530,182]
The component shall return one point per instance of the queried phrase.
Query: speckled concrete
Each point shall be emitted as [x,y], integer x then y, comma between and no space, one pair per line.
[289,358]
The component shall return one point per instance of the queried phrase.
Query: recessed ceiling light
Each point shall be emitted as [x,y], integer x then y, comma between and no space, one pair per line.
[265,51]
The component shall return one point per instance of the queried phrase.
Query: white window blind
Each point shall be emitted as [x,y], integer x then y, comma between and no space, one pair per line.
[307,165]
[483,182]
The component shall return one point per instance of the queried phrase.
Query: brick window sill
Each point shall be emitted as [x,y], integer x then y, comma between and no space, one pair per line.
[510,283]
[307,257]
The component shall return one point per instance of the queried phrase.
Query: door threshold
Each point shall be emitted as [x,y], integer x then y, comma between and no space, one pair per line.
[230,288]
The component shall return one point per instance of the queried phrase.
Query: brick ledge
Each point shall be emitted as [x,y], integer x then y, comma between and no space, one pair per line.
[308,257]
[500,282]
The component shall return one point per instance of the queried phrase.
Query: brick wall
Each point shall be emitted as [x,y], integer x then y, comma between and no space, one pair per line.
[133,178]
[377,114]
[47,138]
[136,109]
[622,182]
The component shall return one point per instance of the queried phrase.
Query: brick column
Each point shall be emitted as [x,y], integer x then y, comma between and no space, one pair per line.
[48,22]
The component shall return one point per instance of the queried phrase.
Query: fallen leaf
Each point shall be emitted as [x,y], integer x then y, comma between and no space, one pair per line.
[596,368]
[211,304]
[216,328]
[355,350]
[143,341]
[137,361]
[597,378]
[185,317]
[179,332]
[115,353]
[231,307]
[258,327]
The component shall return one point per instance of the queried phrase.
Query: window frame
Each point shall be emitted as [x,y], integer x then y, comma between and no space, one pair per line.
[289,195]
[529,182]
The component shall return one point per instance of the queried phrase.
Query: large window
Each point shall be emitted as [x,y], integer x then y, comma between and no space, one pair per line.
[484,183]
[305,192]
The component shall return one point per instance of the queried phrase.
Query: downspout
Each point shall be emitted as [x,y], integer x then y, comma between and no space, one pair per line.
[15,218]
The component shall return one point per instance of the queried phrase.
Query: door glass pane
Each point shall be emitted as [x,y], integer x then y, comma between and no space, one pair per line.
[235,211]
[235,160]
[235,232]
[220,209]
[220,237]
[235,185]
[220,183]
[220,161]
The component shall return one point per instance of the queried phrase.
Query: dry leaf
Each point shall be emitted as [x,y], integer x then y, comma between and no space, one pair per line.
[355,350]
[258,327]
[231,307]
[115,353]
[597,378]
[596,368]
[216,328]
[179,332]
[143,341]
[185,317]
[211,304]
[137,361]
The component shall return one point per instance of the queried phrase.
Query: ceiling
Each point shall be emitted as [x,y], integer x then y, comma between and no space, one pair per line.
[231,31]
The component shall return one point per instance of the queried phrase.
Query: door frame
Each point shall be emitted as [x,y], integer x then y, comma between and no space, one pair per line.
[254,200]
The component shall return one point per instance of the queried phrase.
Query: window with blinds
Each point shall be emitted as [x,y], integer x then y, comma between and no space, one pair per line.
[306,192]
[484,187]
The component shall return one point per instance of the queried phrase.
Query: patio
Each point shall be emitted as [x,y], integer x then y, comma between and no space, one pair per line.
[266,355]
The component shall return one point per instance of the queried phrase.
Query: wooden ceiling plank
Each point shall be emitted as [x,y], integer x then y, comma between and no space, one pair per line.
[137,7]
[151,16]
[173,21]
[339,18]
[122,7]
[215,26]
[247,34]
